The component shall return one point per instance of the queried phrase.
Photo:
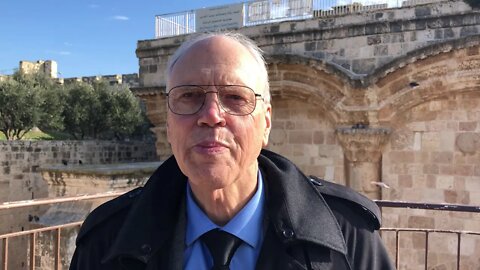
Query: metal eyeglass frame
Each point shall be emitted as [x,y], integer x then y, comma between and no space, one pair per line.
[202,86]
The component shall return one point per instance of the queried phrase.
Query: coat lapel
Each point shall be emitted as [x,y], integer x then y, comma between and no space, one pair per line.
[177,250]
[273,255]
[153,217]
[297,211]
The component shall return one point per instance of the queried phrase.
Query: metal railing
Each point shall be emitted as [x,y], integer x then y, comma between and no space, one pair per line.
[32,234]
[428,206]
[57,230]
[266,11]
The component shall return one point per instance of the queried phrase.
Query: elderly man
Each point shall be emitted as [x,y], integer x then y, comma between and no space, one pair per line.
[221,202]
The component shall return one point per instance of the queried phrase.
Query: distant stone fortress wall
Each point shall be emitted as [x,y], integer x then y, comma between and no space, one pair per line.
[121,79]
[47,67]
[50,69]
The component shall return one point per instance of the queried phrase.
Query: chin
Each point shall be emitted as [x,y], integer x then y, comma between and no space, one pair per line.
[210,181]
[216,174]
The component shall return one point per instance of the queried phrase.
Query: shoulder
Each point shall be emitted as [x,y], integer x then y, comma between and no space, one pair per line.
[338,197]
[336,194]
[108,212]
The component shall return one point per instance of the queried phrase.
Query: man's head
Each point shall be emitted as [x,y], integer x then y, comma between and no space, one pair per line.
[247,43]
[223,78]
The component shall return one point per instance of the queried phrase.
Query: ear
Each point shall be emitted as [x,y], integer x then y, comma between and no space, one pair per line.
[268,124]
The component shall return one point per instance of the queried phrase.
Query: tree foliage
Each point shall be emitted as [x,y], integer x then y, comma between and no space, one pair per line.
[25,103]
[100,111]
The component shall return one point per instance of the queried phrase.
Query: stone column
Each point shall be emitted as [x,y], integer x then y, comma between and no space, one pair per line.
[362,147]
[156,106]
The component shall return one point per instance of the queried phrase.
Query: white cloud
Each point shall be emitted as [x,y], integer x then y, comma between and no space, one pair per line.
[120,18]
[66,43]
[59,52]
[93,6]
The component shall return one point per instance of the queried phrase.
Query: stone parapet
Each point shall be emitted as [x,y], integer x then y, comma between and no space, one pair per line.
[90,179]
[76,180]
[20,163]
[358,44]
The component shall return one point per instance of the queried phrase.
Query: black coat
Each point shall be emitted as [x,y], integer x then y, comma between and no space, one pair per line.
[310,224]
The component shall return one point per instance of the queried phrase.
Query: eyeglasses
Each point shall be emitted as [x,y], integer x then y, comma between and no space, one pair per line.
[234,99]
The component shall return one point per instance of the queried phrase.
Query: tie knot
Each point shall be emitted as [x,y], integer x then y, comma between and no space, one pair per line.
[222,245]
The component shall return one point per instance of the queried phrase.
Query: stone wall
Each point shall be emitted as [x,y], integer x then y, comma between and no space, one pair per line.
[20,161]
[434,156]
[20,179]
[361,43]
[356,44]
[301,133]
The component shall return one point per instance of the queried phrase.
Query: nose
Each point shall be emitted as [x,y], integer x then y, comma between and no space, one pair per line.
[211,114]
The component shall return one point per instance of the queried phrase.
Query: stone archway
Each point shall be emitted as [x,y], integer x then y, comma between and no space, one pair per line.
[305,116]
[432,104]
[322,94]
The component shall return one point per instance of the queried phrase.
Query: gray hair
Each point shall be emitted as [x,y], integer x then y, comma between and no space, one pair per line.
[246,42]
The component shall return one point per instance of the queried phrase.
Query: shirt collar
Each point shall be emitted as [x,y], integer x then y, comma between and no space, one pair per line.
[246,224]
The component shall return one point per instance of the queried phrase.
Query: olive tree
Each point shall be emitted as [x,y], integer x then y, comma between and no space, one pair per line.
[100,111]
[28,101]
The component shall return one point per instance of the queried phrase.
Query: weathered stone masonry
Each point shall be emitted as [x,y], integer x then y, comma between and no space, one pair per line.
[386,102]
[20,163]
[20,179]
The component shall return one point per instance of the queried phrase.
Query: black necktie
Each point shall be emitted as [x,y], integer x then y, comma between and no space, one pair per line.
[222,246]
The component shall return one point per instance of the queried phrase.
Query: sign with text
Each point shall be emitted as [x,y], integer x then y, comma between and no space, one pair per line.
[219,18]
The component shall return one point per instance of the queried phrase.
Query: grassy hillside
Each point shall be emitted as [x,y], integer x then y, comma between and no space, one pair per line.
[38,135]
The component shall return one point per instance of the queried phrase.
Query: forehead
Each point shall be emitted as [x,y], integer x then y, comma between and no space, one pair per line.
[216,60]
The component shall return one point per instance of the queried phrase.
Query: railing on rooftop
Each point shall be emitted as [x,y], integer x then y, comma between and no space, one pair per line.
[251,13]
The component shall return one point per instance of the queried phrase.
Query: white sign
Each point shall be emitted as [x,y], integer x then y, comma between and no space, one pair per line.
[219,18]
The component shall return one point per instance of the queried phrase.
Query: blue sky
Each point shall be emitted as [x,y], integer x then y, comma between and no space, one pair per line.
[86,38]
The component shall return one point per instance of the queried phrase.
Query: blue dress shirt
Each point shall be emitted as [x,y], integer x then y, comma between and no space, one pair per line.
[246,225]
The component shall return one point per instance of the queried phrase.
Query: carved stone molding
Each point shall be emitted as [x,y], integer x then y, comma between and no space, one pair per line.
[363,144]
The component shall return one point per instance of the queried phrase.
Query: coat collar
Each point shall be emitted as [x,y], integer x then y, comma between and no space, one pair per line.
[152,218]
[299,214]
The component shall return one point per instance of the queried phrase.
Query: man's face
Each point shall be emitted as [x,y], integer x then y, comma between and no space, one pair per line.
[213,148]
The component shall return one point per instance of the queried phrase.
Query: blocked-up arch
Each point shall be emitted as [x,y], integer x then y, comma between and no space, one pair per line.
[437,72]
[309,80]
[429,73]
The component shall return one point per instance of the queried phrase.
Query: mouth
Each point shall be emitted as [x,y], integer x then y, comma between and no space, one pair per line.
[210,147]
